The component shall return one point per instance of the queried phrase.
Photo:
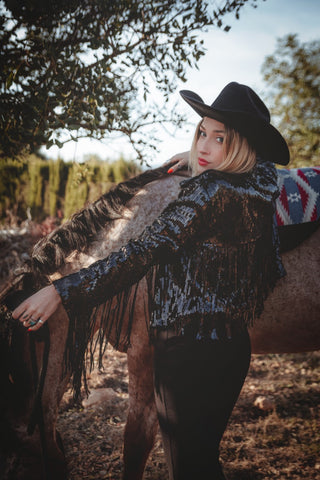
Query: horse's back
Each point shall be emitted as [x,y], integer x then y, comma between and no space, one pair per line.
[290,322]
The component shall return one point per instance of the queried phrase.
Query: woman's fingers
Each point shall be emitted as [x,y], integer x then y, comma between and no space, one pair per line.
[21,312]
[168,162]
[178,161]
[37,324]
[36,310]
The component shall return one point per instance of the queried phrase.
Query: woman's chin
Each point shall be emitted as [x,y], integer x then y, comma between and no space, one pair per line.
[200,169]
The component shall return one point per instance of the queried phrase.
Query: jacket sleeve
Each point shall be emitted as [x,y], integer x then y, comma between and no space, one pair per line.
[181,222]
[210,205]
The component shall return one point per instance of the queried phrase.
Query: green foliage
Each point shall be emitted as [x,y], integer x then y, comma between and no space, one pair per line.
[43,188]
[75,68]
[293,73]
[76,189]
[55,174]
[12,175]
[36,188]
[123,169]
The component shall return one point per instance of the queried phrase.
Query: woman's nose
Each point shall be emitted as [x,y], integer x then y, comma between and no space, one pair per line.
[204,146]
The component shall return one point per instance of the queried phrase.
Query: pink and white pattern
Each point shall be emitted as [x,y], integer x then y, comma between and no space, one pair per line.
[299,200]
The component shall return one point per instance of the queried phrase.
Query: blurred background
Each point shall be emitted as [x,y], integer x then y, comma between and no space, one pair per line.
[90,90]
[89,96]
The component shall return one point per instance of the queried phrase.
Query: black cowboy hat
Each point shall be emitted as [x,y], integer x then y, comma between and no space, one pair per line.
[239,107]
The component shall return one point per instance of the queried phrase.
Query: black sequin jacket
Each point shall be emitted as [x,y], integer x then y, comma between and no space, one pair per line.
[211,257]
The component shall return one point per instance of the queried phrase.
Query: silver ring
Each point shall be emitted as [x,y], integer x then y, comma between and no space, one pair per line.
[40,321]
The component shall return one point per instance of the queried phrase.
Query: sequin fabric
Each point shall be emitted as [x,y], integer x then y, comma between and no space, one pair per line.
[211,257]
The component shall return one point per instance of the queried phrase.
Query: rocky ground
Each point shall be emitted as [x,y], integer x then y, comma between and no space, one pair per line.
[273,432]
[16,244]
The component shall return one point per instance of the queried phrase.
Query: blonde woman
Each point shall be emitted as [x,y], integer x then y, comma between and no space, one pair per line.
[214,254]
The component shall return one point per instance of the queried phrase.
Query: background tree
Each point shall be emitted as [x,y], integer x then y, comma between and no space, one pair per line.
[293,73]
[38,173]
[40,188]
[55,183]
[75,68]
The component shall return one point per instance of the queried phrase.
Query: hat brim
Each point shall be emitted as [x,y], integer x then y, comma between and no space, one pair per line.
[262,136]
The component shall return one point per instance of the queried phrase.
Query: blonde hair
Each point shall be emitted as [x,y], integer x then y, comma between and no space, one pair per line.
[239,156]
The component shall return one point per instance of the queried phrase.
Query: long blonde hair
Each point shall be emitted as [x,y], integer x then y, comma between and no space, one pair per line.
[239,156]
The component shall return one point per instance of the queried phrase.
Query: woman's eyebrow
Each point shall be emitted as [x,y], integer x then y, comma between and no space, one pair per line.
[215,131]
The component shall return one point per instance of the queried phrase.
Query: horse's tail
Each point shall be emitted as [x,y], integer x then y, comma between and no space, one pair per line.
[77,234]
[20,381]
[12,334]
[20,286]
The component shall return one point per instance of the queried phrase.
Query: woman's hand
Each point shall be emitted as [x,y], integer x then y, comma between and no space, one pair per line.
[179,161]
[36,310]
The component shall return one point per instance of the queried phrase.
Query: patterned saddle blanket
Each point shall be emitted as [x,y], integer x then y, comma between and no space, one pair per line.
[299,200]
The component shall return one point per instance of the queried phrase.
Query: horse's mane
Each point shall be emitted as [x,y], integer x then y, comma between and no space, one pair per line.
[77,234]
[50,254]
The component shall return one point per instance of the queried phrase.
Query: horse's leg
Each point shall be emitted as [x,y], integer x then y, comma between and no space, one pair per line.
[15,406]
[142,424]
[56,382]
[25,454]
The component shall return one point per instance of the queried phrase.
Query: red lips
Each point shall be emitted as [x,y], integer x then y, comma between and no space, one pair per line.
[202,162]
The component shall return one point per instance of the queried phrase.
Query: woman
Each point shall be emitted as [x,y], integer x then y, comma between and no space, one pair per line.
[215,257]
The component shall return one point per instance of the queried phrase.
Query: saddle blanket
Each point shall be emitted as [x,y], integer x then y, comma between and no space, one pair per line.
[299,199]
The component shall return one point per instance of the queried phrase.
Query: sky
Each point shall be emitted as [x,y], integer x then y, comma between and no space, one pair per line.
[236,55]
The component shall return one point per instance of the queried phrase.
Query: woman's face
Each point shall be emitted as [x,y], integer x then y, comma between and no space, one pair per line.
[209,147]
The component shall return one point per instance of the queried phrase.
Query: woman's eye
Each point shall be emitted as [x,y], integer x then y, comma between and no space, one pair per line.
[220,139]
[202,133]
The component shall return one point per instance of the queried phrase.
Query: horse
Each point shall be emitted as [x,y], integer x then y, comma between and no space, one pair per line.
[288,324]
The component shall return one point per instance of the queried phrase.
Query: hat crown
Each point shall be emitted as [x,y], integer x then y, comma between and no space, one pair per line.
[240,108]
[241,98]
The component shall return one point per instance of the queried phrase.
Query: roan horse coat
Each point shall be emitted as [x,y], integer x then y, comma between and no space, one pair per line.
[289,323]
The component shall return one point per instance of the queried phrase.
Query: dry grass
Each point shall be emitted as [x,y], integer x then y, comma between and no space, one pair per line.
[279,442]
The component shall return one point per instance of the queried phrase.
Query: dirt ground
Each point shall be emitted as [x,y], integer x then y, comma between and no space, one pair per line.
[273,432]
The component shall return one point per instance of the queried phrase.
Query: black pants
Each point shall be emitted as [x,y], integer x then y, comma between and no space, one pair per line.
[197,384]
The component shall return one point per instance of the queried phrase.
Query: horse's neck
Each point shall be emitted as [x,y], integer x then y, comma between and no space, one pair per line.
[141,211]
